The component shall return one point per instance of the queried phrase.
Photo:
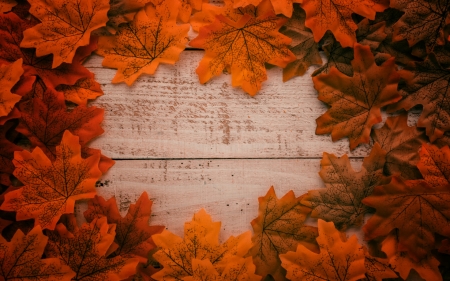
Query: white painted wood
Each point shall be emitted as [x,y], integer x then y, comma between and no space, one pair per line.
[171,115]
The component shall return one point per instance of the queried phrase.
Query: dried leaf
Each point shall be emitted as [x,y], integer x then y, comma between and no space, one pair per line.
[201,241]
[242,47]
[51,188]
[356,101]
[65,26]
[84,251]
[340,202]
[279,228]
[338,259]
[22,259]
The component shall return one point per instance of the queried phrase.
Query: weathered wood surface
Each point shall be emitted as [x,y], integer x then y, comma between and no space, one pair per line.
[171,115]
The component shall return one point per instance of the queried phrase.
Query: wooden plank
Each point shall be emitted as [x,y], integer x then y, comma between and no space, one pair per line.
[227,189]
[171,115]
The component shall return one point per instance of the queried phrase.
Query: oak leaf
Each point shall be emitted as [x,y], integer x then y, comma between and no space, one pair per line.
[11,34]
[6,5]
[9,76]
[424,20]
[415,208]
[336,16]
[303,45]
[85,249]
[83,90]
[65,26]
[237,268]
[340,200]
[133,234]
[284,7]
[427,267]
[22,259]
[428,84]
[242,47]
[51,188]
[200,241]
[279,228]
[356,101]
[401,143]
[338,259]
[153,37]
[44,122]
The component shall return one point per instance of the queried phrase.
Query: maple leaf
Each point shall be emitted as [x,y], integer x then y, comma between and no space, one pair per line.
[44,122]
[427,267]
[356,101]
[336,16]
[367,34]
[303,45]
[338,259]
[9,76]
[21,259]
[201,241]
[187,7]
[237,268]
[378,269]
[133,234]
[140,46]
[415,208]
[401,143]
[7,149]
[424,20]
[427,83]
[122,11]
[284,7]
[279,228]
[65,27]
[340,202]
[434,165]
[242,47]
[6,5]
[51,188]
[11,34]
[83,90]
[84,250]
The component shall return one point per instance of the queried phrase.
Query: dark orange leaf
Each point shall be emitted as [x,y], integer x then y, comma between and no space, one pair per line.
[284,7]
[356,101]
[340,202]
[21,259]
[237,268]
[201,241]
[83,90]
[7,149]
[6,5]
[84,250]
[133,234]
[153,37]
[9,76]
[338,259]
[188,7]
[51,188]
[279,228]
[123,11]
[415,208]
[378,269]
[243,47]
[303,45]
[65,26]
[434,165]
[336,16]
[401,143]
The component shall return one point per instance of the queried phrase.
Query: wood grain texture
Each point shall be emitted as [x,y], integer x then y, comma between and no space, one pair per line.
[171,115]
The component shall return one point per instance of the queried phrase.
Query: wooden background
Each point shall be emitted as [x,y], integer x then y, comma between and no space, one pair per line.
[211,146]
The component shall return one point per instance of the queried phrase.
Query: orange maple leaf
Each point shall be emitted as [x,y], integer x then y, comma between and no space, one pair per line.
[122,11]
[340,202]
[279,228]
[237,268]
[201,241]
[284,7]
[83,90]
[336,16]
[85,250]
[51,188]
[243,47]
[356,101]
[133,234]
[21,259]
[153,37]
[9,76]
[434,165]
[338,259]
[65,26]
[187,7]
[6,5]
